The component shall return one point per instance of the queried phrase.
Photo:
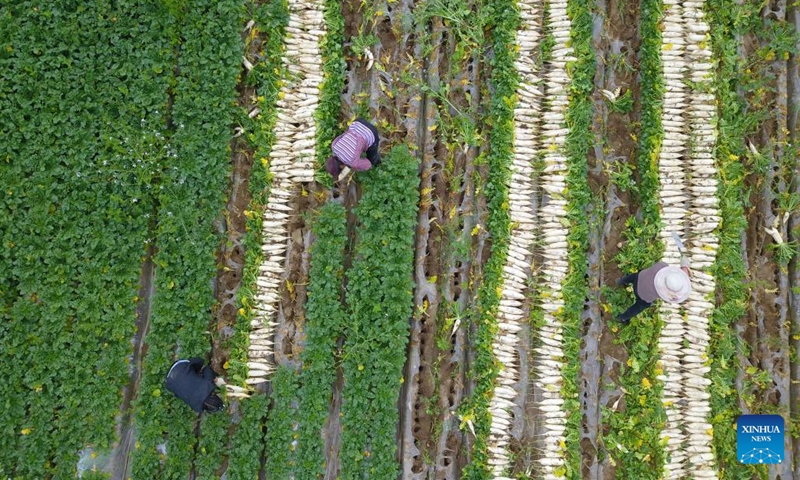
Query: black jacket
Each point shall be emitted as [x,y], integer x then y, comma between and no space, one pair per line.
[190,382]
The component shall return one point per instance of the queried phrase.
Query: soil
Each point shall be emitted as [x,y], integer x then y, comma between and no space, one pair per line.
[230,256]
[291,315]
[449,259]
[793,92]
[616,42]
[769,320]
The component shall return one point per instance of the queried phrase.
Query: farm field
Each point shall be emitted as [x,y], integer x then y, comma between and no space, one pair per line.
[447,315]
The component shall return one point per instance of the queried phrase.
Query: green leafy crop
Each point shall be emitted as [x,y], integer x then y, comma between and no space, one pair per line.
[379,299]
[637,423]
[325,323]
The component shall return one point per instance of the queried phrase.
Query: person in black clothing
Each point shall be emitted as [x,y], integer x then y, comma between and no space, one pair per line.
[193,383]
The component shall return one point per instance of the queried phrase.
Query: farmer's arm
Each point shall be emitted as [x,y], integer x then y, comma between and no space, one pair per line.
[373,154]
[196,364]
[209,373]
[361,164]
[685,266]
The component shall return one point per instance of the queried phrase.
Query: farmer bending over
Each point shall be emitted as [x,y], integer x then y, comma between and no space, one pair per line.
[361,137]
[193,383]
[670,284]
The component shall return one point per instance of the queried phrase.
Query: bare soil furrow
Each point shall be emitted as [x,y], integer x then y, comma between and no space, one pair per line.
[615,42]
[456,190]
[291,314]
[592,320]
[793,92]
[415,397]
[230,256]
[767,327]
[333,431]
[126,431]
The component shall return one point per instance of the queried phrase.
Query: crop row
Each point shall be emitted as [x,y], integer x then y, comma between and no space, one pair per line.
[269,74]
[688,196]
[247,446]
[474,411]
[325,321]
[379,300]
[673,195]
[516,271]
[190,195]
[579,141]
[736,121]
[294,441]
[291,162]
[634,432]
[550,355]
[265,76]
[77,171]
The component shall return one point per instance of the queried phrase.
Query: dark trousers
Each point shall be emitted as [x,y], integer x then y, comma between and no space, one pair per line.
[373,155]
[639,306]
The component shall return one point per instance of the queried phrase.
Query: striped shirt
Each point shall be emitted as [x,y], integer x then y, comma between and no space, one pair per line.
[350,145]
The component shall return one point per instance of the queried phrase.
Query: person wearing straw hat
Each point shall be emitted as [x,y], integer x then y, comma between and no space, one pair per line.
[659,281]
[360,138]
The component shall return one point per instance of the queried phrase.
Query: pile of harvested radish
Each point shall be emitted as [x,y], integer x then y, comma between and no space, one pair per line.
[535,132]
[291,162]
[688,199]
[549,361]
[510,316]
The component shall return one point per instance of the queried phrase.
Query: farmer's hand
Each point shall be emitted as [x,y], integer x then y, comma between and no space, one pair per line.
[688,272]
[344,174]
[219,381]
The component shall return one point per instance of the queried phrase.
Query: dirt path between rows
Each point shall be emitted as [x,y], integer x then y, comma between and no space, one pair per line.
[793,92]
[616,42]
[766,327]
[126,431]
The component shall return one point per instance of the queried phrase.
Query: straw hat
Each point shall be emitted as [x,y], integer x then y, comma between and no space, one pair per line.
[672,285]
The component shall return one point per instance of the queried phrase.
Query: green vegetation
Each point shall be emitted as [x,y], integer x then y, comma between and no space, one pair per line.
[634,438]
[574,287]
[282,424]
[380,303]
[325,322]
[108,149]
[502,21]
[211,445]
[79,116]
[736,121]
[247,445]
[189,197]
[330,102]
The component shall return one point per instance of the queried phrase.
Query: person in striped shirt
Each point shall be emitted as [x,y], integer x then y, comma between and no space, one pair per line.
[360,138]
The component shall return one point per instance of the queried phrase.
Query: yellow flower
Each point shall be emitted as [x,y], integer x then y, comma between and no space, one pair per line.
[646,383]
[25,431]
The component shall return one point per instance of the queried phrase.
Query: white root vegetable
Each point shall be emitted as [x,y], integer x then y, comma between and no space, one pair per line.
[291,162]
